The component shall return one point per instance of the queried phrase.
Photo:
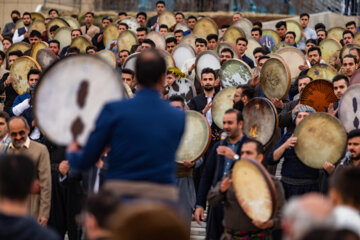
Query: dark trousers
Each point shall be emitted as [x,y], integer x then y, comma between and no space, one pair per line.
[214,226]
[296,190]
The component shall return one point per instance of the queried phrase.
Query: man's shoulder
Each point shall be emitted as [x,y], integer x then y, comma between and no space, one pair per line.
[37,145]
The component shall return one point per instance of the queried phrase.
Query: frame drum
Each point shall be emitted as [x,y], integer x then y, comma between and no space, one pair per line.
[270,39]
[81,43]
[346,49]
[63,35]
[37,47]
[126,40]
[189,39]
[254,189]
[320,138]
[56,21]
[21,46]
[235,72]
[275,78]
[293,57]
[355,78]
[167,18]
[349,108]
[37,25]
[232,34]
[46,57]
[110,33]
[294,26]
[252,44]
[245,25]
[335,33]
[204,27]
[83,84]
[183,87]
[158,39]
[37,16]
[182,26]
[19,70]
[130,61]
[260,120]
[108,56]
[131,22]
[1,46]
[207,59]
[321,71]
[318,94]
[330,50]
[73,22]
[222,102]
[228,45]
[357,38]
[195,139]
[182,53]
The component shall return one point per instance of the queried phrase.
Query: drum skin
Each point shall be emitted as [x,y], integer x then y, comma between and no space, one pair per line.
[229,45]
[270,39]
[318,94]
[183,87]
[260,120]
[36,16]
[355,78]
[182,53]
[110,33]
[19,71]
[63,35]
[195,139]
[56,21]
[330,50]
[167,18]
[189,39]
[158,39]
[204,27]
[232,34]
[37,25]
[222,102]
[293,57]
[108,56]
[168,58]
[131,22]
[235,72]
[279,46]
[321,71]
[252,45]
[182,26]
[21,46]
[349,108]
[46,57]
[294,26]
[357,38]
[254,190]
[83,84]
[126,40]
[81,43]
[275,78]
[336,33]
[346,49]
[130,61]
[245,25]
[37,47]
[320,138]
[73,23]
[206,59]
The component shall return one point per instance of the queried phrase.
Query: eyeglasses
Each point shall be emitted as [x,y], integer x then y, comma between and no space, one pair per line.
[14,134]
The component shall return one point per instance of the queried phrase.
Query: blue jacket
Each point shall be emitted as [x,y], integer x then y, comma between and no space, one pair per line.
[143,134]
[20,99]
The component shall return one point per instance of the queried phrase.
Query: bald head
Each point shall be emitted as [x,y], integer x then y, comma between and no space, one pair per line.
[18,130]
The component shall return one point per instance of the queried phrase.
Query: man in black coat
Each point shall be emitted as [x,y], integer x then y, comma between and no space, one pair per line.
[152,23]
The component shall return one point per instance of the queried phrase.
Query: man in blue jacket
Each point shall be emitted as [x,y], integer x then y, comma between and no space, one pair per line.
[143,134]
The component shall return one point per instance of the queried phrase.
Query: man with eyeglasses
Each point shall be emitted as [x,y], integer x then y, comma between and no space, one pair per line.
[39,201]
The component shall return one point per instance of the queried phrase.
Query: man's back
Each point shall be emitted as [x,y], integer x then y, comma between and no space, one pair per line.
[24,228]
[143,134]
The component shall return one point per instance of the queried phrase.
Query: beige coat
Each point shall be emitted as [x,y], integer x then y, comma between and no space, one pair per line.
[91,31]
[39,203]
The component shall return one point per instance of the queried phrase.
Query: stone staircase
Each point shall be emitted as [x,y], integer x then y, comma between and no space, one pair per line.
[198,232]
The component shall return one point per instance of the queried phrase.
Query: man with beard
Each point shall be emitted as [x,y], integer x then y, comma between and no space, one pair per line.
[141,34]
[225,55]
[321,35]
[34,38]
[9,28]
[348,37]
[21,34]
[349,65]
[141,18]
[74,33]
[219,163]
[353,147]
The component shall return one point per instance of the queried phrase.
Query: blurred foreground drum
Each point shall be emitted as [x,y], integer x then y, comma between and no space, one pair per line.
[275,78]
[260,120]
[83,84]
[183,87]
[19,70]
[222,102]
[320,138]
[318,94]
[195,139]
[349,108]
[254,189]
[235,72]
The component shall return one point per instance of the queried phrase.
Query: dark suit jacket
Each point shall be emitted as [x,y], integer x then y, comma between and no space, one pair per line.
[248,61]
[7,29]
[213,172]
[285,116]
[151,21]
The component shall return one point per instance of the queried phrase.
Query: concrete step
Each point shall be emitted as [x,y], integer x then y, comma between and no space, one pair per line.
[197,238]
[195,224]
[198,231]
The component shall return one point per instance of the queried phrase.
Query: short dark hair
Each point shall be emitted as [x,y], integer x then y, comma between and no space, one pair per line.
[76,30]
[27,13]
[17,173]
[134,48]
[179,31]
[54,28]
[124,50]
[258,24]
[8,38]
[350,23]
[315,49]
[107,18]
[242,39]
[212,36]
[192,17]
[2,54]
[4,115]
[160,2]
[239,116]
[292,33]
[91,48]
[170,40]
[53,9]
[208,70]
[303,77]
[224,26]
[344,182]
[257,30]
[124,24]
[201,40]
[73,50]
[180,13]
[263,57]
[16,53]
[128,71]
[260,50]
[305,14]
[348,32]
[248,91]
[149,70]
[122,13]
[149,41]
[55,41]
[280,23]
[15,12]
[313,41]
[320,26]
[177,98]
[102,206]
[228,50]
[349,56]
[354,133]
[91,13]
[259,145]
[141,29]
[164,26]
[141,13]
[33,71]
[339,78]
[35,33]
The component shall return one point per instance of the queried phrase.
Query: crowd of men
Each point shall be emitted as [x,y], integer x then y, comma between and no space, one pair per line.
[127,172]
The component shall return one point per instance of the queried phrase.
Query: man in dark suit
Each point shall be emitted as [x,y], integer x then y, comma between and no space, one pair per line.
[241,45]
[143,134]
[152,23]
[9,28]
